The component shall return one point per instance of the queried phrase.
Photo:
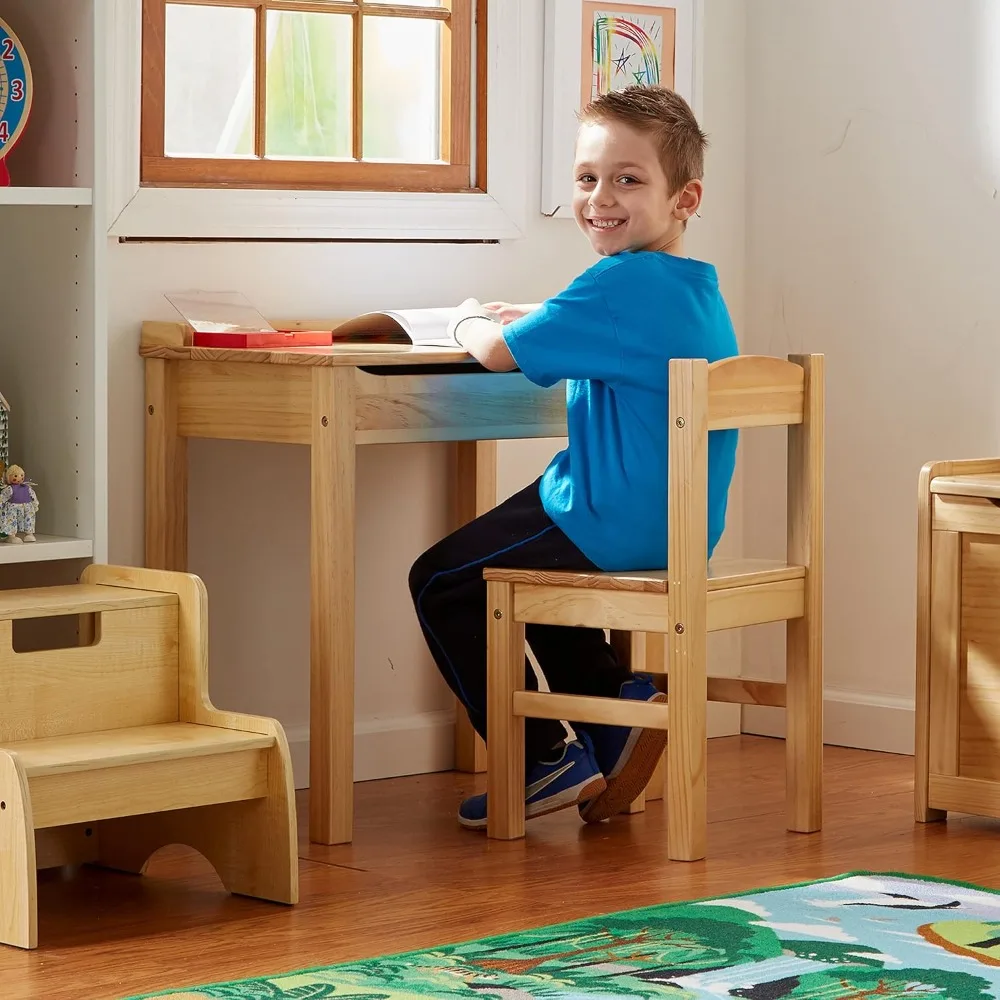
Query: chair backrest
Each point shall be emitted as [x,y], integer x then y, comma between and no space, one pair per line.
[739,392]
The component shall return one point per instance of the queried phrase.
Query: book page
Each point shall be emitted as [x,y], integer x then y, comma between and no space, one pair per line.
[426,327]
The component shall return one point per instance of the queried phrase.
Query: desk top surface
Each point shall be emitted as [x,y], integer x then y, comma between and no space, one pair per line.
[981,484]
[353,354]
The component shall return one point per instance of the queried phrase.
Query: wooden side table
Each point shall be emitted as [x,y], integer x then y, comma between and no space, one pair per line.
[958,640]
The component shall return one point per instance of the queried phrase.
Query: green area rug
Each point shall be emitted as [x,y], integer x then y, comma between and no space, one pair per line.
[861,936]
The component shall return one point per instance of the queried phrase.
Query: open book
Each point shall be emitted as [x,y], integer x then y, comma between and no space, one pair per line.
[421,327]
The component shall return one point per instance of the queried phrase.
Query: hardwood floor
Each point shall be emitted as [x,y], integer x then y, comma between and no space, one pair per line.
[413,878]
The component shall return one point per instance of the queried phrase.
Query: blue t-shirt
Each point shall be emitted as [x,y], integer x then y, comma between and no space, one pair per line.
[611,334]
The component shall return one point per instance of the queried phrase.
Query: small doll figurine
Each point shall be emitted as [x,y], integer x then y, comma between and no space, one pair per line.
[18,506]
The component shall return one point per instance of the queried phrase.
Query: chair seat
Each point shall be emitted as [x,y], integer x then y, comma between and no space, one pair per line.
[723,574]
[139,744]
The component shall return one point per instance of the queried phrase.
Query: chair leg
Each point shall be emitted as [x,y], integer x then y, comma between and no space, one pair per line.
[804,725]
[505,732]
[687,757]
[18,876]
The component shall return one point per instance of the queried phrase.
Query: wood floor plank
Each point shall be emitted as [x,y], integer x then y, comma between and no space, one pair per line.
[413,879]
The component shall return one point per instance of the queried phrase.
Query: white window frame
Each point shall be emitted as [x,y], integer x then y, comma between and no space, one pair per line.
[159,212]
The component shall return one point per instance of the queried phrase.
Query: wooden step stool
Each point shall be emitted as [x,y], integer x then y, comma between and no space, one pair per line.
[111,749]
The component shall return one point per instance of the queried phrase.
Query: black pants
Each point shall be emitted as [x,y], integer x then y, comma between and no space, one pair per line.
[449,595]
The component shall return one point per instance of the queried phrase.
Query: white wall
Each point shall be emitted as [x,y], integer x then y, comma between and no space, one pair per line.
[256,563]
[874,237]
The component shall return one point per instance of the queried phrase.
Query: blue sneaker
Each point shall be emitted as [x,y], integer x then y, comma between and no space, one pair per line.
[627,757]
[572,778]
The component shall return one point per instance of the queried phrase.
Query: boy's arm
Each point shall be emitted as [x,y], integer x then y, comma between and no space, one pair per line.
[473,329]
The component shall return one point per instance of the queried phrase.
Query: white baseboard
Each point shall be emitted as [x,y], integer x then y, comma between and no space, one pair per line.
[387,748]
[423,744]
[850,719]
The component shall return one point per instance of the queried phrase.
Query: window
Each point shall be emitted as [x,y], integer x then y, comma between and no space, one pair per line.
[313,94]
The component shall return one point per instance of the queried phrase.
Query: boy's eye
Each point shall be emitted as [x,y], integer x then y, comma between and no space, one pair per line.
[587,179]
[628,179]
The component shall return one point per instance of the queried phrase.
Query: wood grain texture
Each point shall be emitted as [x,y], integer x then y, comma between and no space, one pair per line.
[244,402]
[638,611]
[804,632]
[505,747]
[179,927]
[75,599]
[946,660]
[687,617]
[455,407]
[754,391]
[979,648]
[473,474]
[974,484]
[955,478]
[150,786]
[357,353]
[251,844]
[127,678]
[18,893]
[965,513]
[723,574]
[166,472]
[581,708]
[332,555]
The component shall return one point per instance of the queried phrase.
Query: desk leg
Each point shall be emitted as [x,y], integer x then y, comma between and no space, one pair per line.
[166,471]
[331,650]
[474,492]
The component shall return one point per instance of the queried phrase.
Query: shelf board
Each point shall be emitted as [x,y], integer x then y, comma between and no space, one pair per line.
[46,196]
[45,549]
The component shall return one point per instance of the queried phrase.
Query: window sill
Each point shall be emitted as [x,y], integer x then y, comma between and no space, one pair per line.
[190,213]
[193,213]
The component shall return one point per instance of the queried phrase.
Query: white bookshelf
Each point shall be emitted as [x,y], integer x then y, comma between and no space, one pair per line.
[46,196]
[53,327]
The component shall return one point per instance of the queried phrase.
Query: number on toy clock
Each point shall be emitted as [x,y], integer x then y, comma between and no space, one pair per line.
[4,133]
[17,90]
[8,50]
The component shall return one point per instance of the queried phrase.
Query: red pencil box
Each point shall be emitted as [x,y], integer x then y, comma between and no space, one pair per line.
[280,338]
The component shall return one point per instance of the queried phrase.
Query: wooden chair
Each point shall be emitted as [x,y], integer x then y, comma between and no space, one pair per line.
[111,749]
[686,602]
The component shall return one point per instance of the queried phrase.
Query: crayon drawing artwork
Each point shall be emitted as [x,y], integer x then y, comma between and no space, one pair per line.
[594,48]
[626,45]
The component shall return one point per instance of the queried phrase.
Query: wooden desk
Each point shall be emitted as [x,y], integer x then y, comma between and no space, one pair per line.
[958,640]
[331,399]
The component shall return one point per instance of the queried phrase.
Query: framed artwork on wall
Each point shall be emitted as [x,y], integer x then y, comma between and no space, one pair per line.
[592,48]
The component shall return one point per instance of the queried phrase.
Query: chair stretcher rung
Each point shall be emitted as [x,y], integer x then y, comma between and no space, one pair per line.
[581,708]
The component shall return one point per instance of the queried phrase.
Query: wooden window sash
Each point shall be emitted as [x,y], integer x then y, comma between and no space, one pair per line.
[458,89]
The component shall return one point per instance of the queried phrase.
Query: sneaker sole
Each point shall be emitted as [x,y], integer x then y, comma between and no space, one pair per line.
[632,777]
[553,803]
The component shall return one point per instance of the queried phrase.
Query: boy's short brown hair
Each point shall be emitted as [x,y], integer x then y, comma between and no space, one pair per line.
[667,118]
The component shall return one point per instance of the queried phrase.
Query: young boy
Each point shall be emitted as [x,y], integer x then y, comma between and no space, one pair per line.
[602,502]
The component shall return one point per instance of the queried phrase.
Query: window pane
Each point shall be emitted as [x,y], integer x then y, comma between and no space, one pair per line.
[209,98]
[309,79]
[402,86]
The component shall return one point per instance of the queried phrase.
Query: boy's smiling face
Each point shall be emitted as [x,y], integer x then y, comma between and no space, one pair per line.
[621,198]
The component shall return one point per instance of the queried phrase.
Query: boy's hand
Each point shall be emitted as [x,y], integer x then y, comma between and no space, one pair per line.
[466,311]
[481,335]
[506,313]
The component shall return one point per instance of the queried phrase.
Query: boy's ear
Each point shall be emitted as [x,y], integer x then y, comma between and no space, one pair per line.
[689,200]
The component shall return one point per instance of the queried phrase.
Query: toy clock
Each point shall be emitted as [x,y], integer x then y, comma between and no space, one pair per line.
[15,95]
